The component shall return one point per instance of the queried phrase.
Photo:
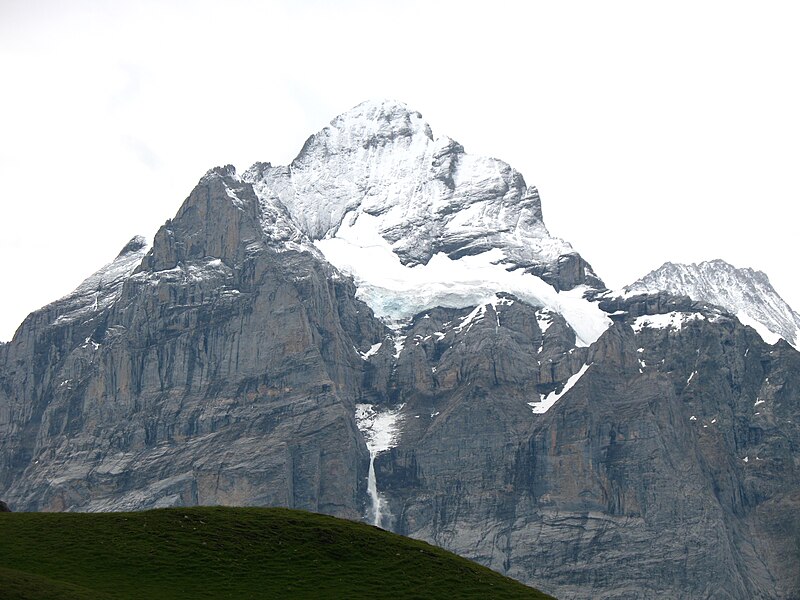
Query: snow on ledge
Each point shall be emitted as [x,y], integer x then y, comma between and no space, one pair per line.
[673,320]
[547,401]
[769,336]
[372,350]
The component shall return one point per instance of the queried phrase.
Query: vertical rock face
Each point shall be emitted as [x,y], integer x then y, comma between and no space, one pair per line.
[224,372]
[638,446]
[671,454]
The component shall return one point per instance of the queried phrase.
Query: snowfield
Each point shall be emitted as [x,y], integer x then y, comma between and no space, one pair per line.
[396,291]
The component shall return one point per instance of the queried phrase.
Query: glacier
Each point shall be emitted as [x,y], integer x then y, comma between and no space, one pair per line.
[396,291]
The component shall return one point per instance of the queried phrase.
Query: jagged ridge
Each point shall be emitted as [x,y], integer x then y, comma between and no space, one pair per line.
[746,293]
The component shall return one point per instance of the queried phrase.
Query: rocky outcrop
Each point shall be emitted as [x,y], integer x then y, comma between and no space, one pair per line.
[4,507]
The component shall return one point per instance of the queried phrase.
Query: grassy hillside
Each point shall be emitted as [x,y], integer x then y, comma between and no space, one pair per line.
[215,552]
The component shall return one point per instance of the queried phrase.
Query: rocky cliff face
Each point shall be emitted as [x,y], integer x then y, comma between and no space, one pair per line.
[638,446]
[673,453]
[220,370]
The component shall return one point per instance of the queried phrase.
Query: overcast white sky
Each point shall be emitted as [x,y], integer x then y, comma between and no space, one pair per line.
[654,131]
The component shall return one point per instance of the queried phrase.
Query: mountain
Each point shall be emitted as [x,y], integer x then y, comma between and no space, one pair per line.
[385,330]
[745,293]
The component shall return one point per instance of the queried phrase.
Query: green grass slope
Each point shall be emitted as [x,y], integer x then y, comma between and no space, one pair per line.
[216,552]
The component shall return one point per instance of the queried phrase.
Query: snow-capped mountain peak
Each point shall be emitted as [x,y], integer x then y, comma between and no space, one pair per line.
[426,194]
[418,222]
[373,122]
[745,292]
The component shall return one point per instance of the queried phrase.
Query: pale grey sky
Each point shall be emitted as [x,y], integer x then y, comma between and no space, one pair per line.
[654,131]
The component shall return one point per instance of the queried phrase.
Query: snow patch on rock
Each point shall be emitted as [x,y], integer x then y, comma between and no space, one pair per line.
[673,320]
[101,289]
[548,400]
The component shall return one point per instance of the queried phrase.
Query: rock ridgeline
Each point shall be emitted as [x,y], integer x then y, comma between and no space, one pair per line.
[746,293]
[226,364]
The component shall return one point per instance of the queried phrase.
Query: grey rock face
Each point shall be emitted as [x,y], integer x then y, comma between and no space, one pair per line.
[4,507]
[656,459]
[222,372]
[223,365]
